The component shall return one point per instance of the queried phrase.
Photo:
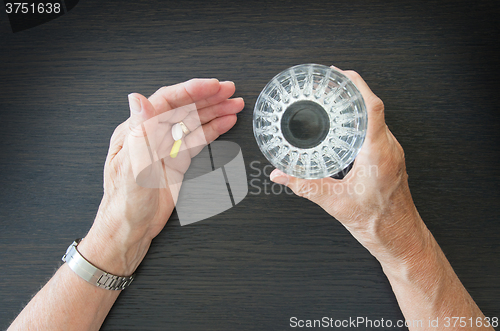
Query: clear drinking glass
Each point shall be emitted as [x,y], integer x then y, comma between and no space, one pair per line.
[310,121]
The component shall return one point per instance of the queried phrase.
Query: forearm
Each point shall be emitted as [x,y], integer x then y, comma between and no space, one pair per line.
[68,302]
[421,277]
[427,288]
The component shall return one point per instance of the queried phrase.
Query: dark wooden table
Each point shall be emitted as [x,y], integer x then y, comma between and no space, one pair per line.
[63,90]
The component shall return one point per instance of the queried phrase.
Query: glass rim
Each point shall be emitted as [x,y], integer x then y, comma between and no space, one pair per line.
[348,96]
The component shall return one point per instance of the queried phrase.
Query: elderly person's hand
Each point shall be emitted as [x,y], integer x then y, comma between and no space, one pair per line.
[131,215]
[141,184]
[374,203]
[373,200]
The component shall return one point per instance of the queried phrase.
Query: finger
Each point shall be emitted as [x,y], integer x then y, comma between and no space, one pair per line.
[208,132]
[191,91]
[374,106]
[217,104]
[202,92]
[218,126]
[226,107]
[226,90]
[320,191]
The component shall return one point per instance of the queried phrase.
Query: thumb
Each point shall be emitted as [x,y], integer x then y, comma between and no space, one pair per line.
[318,191]
[142,143]
[140,110]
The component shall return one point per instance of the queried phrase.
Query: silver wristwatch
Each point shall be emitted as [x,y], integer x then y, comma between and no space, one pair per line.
[91,273]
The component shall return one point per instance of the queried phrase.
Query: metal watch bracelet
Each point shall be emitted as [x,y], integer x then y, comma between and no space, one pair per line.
[91,273]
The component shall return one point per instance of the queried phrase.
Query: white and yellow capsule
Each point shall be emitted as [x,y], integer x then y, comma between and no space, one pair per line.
[177,135]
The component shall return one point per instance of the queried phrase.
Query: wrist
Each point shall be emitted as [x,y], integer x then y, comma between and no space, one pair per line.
[403,246]
[116,252]
[396,234]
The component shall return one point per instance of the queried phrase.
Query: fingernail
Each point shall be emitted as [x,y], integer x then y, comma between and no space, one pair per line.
[134,103]
[279,177]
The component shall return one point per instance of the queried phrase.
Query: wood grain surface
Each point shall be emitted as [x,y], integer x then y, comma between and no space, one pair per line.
[63,90]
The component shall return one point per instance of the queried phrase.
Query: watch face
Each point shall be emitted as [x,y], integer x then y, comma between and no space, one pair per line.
[310,121]
[68,250]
